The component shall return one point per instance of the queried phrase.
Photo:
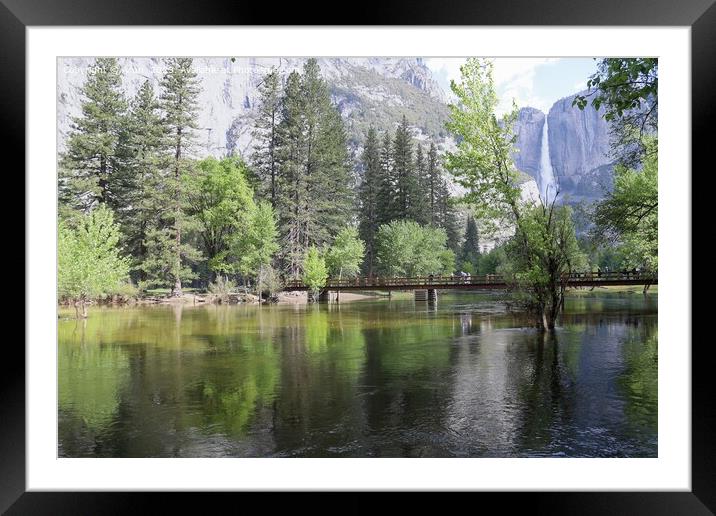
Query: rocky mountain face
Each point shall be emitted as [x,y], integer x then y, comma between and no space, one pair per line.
[578,148]
[367,91]
[528,129]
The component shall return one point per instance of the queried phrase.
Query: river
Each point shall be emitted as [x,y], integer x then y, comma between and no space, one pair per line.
[378,378]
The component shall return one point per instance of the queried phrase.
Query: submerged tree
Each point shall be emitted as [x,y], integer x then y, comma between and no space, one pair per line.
[543,249]
[483,165]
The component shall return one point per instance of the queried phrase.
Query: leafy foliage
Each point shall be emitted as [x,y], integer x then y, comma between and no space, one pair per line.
[544,245]
[90,265]
[345,255]
[315,272]
[220,201]
[628,90]
[405,248]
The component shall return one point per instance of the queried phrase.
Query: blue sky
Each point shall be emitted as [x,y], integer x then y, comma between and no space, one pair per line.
[532,81]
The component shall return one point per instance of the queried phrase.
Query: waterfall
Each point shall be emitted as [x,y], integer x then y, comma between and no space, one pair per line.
[547,185]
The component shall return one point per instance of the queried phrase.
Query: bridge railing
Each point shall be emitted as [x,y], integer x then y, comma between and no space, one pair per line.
[476,280]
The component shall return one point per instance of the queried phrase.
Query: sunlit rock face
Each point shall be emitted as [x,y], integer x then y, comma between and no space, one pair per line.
[578,143]
[528,130]
[579,150]
[367,91]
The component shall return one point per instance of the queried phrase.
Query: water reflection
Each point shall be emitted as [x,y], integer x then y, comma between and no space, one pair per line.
[385,378]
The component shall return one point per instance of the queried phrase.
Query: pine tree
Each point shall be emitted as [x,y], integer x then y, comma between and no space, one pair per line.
[470,249]
[447,216]
[369,197]
[329,182]
[419,203]
[89,165]
[386,184]
[179,102]
[141,173]
[314,167]
[433,183]
[291,181]
[405,184]
[265,159]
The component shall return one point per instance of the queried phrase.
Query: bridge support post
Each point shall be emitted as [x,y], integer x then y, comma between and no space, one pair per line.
[432,295]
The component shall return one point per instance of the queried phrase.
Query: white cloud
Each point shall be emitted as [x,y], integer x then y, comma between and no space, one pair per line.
[444,70]
[515,78]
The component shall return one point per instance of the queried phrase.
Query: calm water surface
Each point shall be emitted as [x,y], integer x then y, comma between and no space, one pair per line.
[363,379]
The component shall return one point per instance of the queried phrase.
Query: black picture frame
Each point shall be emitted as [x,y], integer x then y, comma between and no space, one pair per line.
[700,15]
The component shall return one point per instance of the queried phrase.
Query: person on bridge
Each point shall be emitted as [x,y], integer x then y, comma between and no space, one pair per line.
[430,278]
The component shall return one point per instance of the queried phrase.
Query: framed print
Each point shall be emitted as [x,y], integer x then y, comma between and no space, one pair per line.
[414,256]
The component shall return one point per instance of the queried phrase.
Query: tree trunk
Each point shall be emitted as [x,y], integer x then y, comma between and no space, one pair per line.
[176,290]
[84,309]
[258,282]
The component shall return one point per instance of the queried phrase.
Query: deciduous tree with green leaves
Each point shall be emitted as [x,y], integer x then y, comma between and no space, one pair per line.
[628,90]
[89,262]
[405,248]
[483,164]
[256,245]
[629,214]
[221,202]
[345,255]
[315,272]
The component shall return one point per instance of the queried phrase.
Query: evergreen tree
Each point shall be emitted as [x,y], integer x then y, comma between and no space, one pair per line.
[433,184]
[179,101]
[470,250]
[405,184]
[88,167]
[420,205]
[447,216]
[142,170]
[386,184]
[369,197]
[265,158]
[315,182]
[291,180]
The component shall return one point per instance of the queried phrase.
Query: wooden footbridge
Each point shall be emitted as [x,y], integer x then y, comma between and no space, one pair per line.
[477,282]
